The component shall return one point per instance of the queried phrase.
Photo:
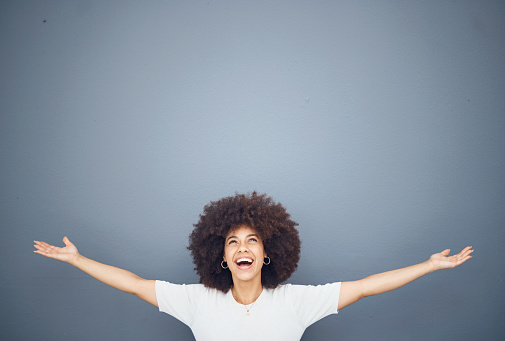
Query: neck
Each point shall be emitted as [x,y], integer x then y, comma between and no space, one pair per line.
[246,293]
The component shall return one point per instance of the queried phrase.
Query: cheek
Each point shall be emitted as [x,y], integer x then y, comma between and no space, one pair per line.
[259,251]
[228,252]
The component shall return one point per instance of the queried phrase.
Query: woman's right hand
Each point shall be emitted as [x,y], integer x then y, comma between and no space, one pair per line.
[115,277]
[67,254]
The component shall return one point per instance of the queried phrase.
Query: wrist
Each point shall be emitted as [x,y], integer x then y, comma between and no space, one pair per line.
[430,267]
[75,261]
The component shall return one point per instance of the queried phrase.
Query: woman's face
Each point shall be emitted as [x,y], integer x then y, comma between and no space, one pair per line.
[244,253]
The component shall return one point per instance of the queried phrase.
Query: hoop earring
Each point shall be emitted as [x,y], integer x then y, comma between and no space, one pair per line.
[268,260]
[224,267]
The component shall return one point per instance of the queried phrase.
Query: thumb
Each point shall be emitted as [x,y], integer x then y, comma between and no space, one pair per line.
[446,252]
[66,241]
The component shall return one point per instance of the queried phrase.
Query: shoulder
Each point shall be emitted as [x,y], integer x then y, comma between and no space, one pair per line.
[161,283]
[164,288]
[169,285]
[300,288]
[297,292]
[182,300]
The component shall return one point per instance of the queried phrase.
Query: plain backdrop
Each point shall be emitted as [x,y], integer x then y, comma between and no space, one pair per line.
[379,125]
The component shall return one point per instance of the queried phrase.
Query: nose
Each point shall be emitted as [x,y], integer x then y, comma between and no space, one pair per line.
[243,248]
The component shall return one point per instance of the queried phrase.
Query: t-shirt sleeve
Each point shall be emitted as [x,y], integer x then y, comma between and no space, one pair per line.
[312,303]
[178,300]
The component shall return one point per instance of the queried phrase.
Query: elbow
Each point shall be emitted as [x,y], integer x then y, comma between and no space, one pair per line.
[136,287]
[363,289]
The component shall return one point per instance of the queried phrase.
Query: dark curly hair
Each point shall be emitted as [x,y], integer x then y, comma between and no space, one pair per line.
[270,220]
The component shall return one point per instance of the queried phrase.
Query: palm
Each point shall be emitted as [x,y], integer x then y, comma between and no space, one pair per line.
[65,254]
[442,260]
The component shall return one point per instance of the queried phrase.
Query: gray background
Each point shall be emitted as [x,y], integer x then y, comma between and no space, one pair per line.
[378,124]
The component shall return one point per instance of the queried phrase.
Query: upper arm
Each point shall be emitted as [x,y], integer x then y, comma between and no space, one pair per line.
[350,292]
[145,289]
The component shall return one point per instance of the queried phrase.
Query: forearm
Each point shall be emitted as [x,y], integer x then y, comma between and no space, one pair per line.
[353,291]
[390,280]
[115,277]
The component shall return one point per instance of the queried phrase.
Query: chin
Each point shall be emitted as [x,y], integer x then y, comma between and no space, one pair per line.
[247,277]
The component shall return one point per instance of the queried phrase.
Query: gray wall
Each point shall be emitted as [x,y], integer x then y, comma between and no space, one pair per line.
[378,124]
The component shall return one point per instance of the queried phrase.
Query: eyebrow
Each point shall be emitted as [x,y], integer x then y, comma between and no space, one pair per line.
[249,235]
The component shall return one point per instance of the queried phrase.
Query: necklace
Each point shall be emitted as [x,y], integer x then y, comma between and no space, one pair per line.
[247,306]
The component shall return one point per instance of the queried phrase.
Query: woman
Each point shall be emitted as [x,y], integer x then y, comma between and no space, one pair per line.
[244,247]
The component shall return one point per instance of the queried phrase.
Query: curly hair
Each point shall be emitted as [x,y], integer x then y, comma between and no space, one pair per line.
[260,212]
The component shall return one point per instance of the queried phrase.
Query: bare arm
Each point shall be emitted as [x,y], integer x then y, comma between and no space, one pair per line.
[115,277]
[351,292]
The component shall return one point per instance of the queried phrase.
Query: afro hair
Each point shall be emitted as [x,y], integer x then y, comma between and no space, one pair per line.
[270,220]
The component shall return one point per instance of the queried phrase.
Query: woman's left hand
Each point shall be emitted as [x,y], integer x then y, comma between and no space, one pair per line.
[442,260]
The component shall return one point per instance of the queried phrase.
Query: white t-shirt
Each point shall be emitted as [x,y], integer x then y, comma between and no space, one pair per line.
[280,314]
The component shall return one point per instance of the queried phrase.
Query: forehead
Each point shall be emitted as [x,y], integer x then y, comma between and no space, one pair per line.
[241,231]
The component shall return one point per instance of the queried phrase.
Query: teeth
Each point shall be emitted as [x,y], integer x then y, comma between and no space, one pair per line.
[243,260]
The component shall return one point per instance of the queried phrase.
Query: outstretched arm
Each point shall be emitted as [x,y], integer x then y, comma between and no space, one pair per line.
[115,277]
[351,292]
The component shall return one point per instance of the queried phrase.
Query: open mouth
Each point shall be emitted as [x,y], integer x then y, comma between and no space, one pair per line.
[244,263]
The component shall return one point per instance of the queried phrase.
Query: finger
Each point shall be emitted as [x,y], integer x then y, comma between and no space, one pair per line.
[466,249]
[465,253]
[446,252]
[41,243]
[43,253]
[47,248]
[453,258]
[40,247]
[67,241]
[461,261]
[40,252]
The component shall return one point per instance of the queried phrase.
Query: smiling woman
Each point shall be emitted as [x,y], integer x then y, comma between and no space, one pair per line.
[244,247]
[275,231]
[244,253]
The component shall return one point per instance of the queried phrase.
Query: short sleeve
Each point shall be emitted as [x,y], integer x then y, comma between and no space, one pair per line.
[178,300]
[312,303]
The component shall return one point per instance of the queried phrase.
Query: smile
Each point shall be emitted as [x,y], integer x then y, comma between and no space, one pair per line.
[244,263]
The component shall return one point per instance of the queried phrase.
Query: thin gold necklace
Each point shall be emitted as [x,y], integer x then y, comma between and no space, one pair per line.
[247,306]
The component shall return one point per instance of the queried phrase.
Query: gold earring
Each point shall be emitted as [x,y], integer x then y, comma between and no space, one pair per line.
[224,267]
[268,260]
